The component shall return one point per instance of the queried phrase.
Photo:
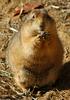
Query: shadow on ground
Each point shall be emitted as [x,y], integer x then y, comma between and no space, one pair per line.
[63,82]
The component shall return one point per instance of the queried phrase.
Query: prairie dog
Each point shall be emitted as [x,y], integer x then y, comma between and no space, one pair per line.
[35,54]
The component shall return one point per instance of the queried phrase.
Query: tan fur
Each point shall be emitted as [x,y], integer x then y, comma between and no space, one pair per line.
[35,61]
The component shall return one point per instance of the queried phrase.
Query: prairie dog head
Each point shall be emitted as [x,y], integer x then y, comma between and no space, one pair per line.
[37,27]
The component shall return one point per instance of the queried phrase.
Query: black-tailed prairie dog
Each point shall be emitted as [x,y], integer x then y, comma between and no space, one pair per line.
[35,54]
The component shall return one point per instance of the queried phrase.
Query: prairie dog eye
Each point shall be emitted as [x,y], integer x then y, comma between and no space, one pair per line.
[34,16]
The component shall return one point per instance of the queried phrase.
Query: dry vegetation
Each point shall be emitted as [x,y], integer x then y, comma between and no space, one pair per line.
[60,11]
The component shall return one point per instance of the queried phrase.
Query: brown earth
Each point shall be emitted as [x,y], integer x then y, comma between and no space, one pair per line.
[60,11]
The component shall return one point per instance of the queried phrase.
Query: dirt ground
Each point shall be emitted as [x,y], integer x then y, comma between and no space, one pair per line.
[60,11]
